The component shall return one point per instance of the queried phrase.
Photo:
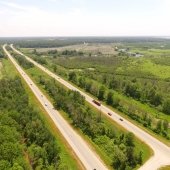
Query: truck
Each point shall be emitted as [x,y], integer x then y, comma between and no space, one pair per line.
[96,102]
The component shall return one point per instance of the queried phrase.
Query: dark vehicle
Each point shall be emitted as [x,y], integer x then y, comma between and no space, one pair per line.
[97,103]
[121,119]
[109,114]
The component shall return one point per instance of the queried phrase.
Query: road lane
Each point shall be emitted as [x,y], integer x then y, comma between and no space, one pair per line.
[161,151]
[89,159]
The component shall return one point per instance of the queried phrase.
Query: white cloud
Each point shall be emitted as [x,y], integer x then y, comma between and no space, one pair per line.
[22,20]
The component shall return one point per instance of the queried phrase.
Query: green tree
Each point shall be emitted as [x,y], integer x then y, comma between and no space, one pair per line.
[119,159]
[72,77]
[129,139]
[1,55]
[116,101]
[165,125]
[159,126]
[109,99]
[4,165]
[140,158]
[55,68]
[166,106]
[82,82]
[16,166]
[101,93]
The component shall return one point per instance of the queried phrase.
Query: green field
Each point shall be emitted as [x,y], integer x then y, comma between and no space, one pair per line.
[146,66]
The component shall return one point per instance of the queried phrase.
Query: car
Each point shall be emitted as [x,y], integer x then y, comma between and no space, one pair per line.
[121,119]
[96,102]
[109,114]
[45,104]
[31,84]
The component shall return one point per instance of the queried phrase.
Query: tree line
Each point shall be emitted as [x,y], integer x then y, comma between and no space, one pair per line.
[153,93]
[56,53]
[108,95]
[23,62]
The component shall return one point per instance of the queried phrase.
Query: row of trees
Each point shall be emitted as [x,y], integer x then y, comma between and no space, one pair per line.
[114,100]
[119,146]
[23,134]
[39,59]
[146,93]
[56,53]
[23,62]
[151,92]
[1,53]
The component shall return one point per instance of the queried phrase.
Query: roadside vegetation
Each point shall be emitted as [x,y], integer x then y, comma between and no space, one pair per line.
[119,149]
[165,168]
[26,141]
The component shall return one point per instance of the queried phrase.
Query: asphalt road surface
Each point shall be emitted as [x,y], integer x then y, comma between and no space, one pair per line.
[161,151]
[86,155]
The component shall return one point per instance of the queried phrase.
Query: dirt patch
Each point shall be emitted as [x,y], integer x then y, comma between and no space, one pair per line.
[79,70]
[91,69]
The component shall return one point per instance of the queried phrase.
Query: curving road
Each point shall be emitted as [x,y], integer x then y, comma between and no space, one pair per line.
[88,158]
[161,155]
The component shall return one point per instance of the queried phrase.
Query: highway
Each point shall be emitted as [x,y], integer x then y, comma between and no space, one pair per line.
[161,151]
[86,155]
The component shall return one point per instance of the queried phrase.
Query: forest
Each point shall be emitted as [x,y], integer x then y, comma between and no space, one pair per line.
[24,141]
[27,139]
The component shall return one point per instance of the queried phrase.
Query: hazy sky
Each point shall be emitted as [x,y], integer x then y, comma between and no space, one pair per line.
[84,17]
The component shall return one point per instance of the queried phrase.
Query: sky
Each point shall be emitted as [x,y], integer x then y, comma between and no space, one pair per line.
[20,18]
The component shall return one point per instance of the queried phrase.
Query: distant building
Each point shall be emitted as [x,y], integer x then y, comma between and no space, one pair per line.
[134,54]
[139,55]
[116,48]
[131,54]
[122,50]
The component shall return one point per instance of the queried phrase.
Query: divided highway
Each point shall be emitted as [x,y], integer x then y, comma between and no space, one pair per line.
[88,157]
[161,155]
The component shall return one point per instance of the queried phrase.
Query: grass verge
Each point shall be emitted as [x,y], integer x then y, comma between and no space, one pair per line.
[165,168]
